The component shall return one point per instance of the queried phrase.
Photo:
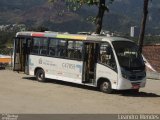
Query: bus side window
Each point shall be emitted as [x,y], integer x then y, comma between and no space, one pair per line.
[39,46]
[43,46]
[53,47]
[78,50]
[74,50]
[35,47]
[106,55]
[62,48]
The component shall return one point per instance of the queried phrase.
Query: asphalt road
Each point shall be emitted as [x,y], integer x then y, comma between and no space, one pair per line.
[20,93]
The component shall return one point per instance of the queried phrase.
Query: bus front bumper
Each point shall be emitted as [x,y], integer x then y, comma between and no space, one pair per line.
[127,84]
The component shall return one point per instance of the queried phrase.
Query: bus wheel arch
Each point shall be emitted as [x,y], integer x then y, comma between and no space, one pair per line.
[104,85]
[40,74]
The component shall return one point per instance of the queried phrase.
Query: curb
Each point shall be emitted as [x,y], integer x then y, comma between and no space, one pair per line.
[153,75]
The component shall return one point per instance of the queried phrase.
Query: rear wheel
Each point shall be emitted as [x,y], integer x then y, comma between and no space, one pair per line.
[40,75]
[105,86]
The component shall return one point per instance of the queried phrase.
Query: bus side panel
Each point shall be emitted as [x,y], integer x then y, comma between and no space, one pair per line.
[56,68]
[107,73]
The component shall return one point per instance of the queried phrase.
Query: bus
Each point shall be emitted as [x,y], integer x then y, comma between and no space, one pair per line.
[109,63]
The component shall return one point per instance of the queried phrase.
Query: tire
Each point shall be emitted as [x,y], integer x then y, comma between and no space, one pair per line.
[40,75]
[105,87]
[134,91]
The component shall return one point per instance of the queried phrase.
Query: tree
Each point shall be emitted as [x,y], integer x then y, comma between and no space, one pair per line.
[143,25]
[38,29]
[101,4]
[99,18]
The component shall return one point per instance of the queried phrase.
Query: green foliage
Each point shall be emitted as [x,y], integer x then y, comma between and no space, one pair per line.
[6,38]
[38,29]
[148,40]
[151,40]
[19,4]
[101,4]
[91,19]
[76,4]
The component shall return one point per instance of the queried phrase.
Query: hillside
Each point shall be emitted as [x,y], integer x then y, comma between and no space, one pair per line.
[122,15]
[132,12]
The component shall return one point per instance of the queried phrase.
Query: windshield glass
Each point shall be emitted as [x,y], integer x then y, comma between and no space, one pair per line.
[128,55]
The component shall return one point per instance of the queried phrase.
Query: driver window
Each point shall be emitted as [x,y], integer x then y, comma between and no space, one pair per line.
[106,56]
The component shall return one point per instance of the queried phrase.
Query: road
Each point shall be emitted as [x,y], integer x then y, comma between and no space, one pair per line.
[21,94]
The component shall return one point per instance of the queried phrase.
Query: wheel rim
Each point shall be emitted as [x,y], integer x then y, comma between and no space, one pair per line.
[40,76]
[105,86]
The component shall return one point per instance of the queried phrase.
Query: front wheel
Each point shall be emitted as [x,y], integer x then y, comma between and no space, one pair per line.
[105,87]
[134,91]
[40,75]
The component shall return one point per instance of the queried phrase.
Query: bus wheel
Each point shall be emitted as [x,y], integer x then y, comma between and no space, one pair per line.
[134,91]
[105,87]
[40,75]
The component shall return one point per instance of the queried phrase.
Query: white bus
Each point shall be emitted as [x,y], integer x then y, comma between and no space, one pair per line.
[110,63]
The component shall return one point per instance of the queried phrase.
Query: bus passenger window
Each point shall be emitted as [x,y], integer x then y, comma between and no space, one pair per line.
[43,46]
[39,46]
[62,48]
[106,56]
[35,47]
[78,50]
[52,47]
[74,50]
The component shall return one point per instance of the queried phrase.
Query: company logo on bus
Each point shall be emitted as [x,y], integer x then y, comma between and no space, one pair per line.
[72,66]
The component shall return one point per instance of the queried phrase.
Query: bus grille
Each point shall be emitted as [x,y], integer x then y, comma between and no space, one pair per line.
[136,78]
[136,83]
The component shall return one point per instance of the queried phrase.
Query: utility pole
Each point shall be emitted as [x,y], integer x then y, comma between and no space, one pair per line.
[143,25]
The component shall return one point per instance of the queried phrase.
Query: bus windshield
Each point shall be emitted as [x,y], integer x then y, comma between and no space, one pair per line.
[128,56]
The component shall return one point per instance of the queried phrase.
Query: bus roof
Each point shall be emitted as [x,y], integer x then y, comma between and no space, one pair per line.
[71,36]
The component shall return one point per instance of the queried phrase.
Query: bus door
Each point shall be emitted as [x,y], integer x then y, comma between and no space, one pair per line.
[90,60]
[21,52]
[26,53]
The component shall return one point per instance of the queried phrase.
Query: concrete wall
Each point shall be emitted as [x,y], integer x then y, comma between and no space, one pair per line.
[152,54]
